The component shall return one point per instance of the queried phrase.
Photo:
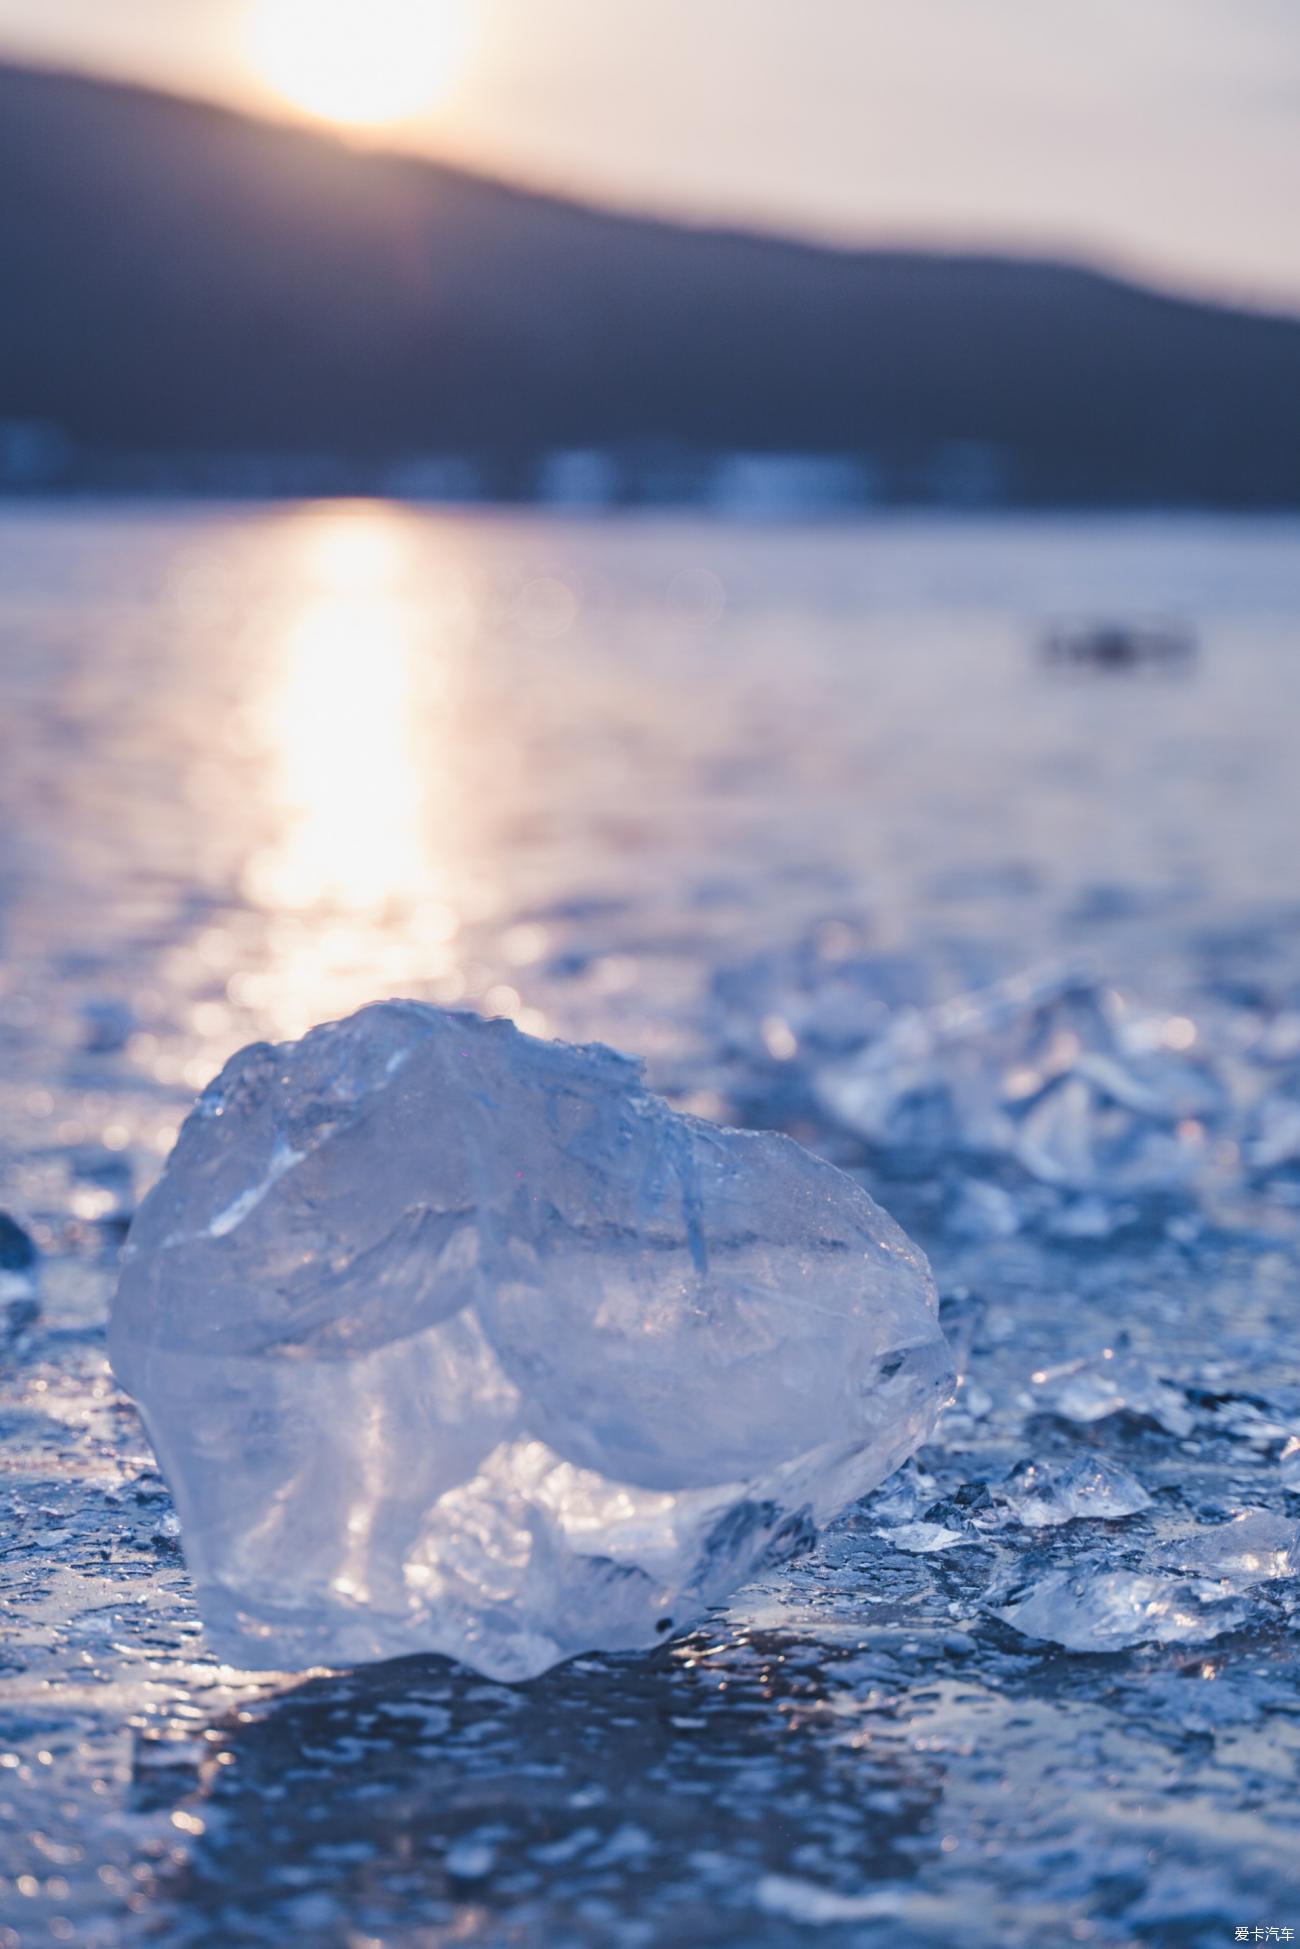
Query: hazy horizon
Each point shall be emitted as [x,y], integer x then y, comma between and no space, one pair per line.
[1158,148]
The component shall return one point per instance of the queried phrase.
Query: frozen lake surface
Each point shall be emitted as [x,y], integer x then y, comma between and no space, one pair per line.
[763,805]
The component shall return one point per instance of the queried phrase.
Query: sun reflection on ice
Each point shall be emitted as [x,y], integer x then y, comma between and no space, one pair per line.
[341,720]
[363,901]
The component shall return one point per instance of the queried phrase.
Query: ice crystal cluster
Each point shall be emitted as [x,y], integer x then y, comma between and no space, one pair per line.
[1043,1070]
[453,1340]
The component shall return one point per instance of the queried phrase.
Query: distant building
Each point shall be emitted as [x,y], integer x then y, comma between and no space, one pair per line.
[969,474]
[776,484]
[578,478]
[439,478]
[33,454]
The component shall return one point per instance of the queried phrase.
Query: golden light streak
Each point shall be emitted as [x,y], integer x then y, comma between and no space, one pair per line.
[353,786]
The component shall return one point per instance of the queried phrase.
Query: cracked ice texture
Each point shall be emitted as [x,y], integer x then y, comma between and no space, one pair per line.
[453,1340]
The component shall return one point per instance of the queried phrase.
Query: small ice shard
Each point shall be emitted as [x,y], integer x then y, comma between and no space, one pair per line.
[921,1539]
[453,1340]
[1113,1609]
[982,1211]
[1043,1494]
[469,1859]
[961,1314]
[908,1492]
[1111,1382]
[812,1906]
[1255,1547]
[1288,1463]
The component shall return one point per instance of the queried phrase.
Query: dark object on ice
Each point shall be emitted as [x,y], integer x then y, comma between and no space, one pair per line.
[1120,646]
[17,1252]
[107,1027]
[18,1256]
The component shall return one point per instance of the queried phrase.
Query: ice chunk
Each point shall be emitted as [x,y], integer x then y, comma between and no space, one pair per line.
[453,1340]
[1255,1547]
[1042,1494]
[17,1253]
[823,997]
[1110,1382]
[1100,1126]
[1111,1610]
[19,1268]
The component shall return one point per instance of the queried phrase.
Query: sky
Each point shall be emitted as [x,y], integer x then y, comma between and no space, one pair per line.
[1157,137]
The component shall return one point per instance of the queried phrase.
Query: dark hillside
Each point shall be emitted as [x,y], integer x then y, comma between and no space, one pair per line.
[179,279]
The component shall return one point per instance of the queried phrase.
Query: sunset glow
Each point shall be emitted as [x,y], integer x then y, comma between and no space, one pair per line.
[361,62]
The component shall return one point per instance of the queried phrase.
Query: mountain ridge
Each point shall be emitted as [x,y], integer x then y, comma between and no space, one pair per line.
[187,279]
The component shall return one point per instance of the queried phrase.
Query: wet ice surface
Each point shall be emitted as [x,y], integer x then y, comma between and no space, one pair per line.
[1020,952]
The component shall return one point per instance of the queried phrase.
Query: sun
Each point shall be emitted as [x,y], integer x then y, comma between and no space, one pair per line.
[363,62]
